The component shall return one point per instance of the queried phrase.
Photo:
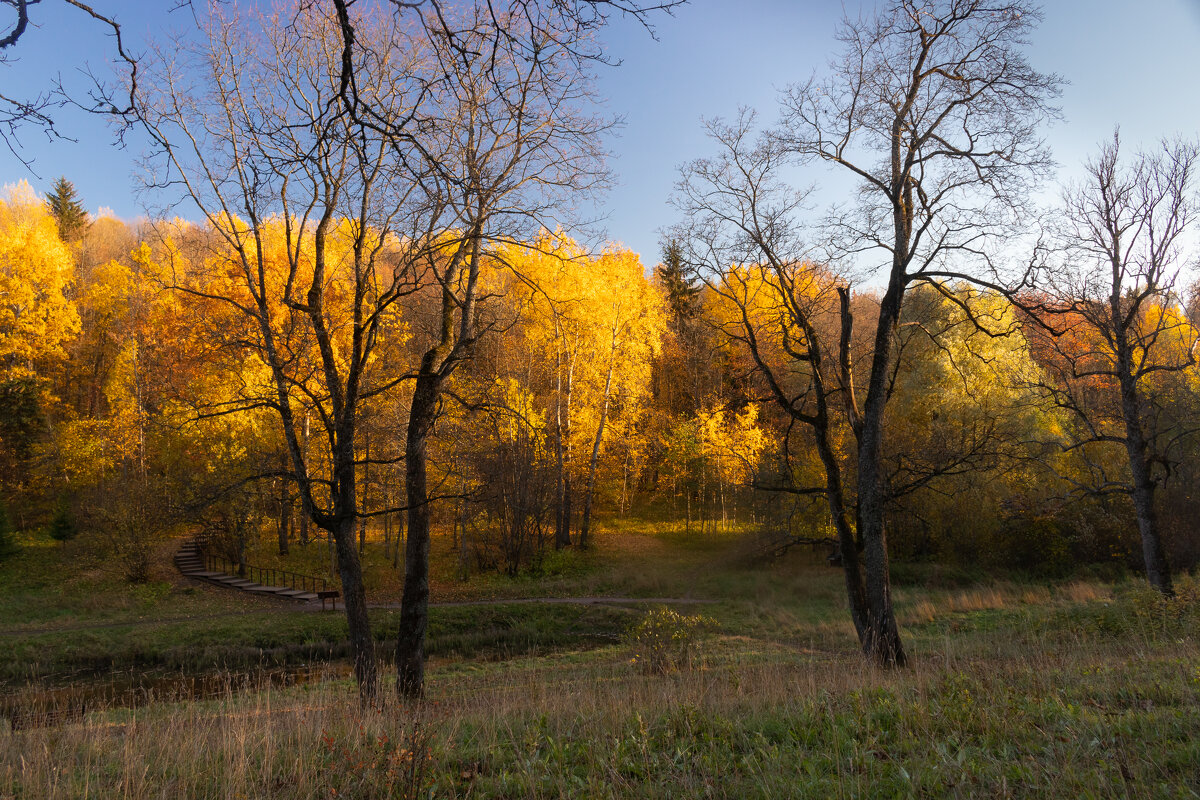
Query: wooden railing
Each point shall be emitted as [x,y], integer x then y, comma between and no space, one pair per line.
[267,576]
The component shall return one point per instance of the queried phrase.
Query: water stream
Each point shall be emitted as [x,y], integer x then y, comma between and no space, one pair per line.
[39,705]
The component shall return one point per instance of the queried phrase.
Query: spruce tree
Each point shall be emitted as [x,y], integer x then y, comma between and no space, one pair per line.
[683,292]
[67,211]
[8,539]
[62,527]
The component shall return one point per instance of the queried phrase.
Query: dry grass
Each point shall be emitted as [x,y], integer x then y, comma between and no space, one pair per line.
[998,713]
[1016,690]
[934,605]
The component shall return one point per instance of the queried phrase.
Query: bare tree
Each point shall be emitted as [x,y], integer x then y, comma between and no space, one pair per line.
[1110,326]
[520,151]
[517,142]
[38,111]
[325,223]
[742,236]
[934,111]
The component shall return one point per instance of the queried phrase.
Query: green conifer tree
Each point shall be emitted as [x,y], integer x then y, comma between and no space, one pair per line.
[62,527]
[683,293]
[8,540]
[67,211]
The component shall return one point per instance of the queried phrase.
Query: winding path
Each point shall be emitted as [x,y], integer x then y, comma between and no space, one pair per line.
[586,601]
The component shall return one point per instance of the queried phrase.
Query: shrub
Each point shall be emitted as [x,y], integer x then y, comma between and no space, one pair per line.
[665,640]
[129,514]
[372,764]
[1178,615]
[1040,546]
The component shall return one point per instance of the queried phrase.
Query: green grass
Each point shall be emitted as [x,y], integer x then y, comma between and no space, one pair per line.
[47,584]
[1017,689]
[283,637]
[994,711]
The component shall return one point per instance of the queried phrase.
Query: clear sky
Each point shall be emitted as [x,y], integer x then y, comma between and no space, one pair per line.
[1133,64]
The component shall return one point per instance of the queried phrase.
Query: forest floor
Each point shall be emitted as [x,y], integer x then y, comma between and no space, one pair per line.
[1017,688]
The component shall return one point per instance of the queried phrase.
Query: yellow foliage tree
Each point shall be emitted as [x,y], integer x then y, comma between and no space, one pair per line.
[603,320]
[37,317]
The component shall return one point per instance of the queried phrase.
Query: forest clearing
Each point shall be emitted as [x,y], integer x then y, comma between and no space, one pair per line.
[1021,688]
[362,456]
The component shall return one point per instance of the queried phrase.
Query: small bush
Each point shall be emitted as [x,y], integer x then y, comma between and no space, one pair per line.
[372,764]
[1178,615]
[665,640]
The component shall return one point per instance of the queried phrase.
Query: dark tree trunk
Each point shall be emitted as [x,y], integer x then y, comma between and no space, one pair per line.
[562,520]
[847,547]
[400,542]
[414,605]
[1158,571]
[285,507]
[881,637]
[565,511]
[362,646]
[303,444]
[362,522]
[285,516]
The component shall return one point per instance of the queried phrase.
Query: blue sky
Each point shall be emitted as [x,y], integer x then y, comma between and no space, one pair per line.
[1136,65]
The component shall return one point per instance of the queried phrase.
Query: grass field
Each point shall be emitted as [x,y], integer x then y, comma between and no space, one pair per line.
[1017,689]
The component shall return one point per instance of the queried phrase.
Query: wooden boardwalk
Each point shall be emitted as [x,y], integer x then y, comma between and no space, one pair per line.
[192,562]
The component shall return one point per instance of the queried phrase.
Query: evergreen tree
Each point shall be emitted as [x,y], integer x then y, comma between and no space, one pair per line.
[683,293]
[62,527]
[67,210]
[8,540]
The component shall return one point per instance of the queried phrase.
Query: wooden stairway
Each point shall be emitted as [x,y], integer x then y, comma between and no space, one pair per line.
[190,561]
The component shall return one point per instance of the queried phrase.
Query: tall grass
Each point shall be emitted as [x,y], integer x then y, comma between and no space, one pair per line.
[1069,709]
[1017,690]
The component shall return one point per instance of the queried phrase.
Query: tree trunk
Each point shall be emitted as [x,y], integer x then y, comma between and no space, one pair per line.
[591,481]
[625,484]
[881,637]
[362,521]
[461,524]
[354,598]
[721,494]
[401,542]
[567,512]
[285,516]
[414,604]
[1158,571]
[333,559]
[304,459]
[856,592]
[562,523]
[285,506]
[387,523]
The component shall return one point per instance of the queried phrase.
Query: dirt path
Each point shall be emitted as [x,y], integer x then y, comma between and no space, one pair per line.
[576,601]
[316,607]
